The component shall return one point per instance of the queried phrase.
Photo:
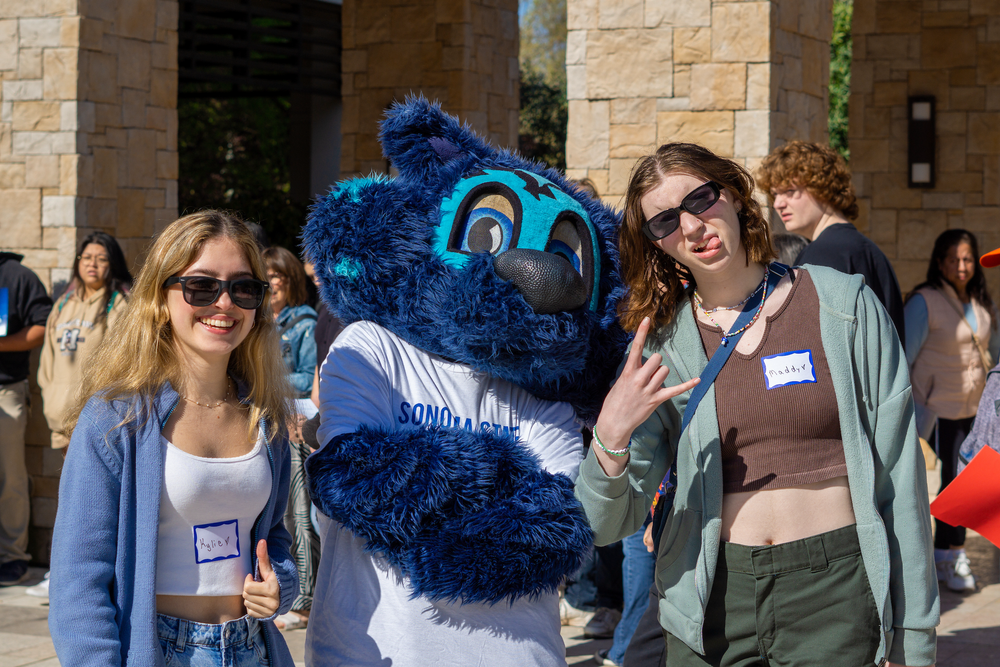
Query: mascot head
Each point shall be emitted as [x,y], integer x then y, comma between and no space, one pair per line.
[477,255]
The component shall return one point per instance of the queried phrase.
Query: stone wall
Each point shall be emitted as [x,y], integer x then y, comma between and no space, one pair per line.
[950,50]
[737,77]
[88,140]
[462,53]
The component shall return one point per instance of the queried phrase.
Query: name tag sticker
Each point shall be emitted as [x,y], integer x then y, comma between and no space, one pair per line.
[788,368]
[216,541]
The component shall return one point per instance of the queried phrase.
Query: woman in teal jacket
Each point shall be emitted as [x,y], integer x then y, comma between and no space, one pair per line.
[169,544]
[799,531]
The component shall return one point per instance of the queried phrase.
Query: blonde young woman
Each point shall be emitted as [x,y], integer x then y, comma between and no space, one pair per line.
[799,533]
[169,546]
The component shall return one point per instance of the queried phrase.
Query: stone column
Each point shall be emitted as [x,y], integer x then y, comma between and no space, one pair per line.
[952,53]
[88,140]
[462,53]
[737,77]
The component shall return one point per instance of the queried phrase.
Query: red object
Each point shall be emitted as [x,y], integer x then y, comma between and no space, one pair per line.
[973,498]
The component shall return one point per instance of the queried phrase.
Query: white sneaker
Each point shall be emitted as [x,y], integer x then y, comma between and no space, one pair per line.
[570,615]
[956,573]
[41,589]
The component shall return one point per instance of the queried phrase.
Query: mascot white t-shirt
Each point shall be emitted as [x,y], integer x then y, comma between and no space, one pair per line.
[372,377]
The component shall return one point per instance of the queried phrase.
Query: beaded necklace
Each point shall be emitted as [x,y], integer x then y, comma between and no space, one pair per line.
[760,309]
[698,302]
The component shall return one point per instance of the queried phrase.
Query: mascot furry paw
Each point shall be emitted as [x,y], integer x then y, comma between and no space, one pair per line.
[481,292]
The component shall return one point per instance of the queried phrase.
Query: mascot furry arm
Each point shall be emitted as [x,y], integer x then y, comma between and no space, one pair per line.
[486,260]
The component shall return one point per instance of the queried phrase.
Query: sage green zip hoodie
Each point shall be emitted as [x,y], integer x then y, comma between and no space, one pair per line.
[885,470]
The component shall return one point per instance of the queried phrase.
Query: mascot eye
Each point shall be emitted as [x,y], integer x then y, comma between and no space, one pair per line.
[488,226]
[565,242]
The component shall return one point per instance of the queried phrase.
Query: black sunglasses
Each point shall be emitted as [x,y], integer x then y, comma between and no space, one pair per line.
[697,201]
[246,293]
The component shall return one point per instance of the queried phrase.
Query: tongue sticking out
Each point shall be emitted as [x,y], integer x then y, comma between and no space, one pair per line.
[713,244]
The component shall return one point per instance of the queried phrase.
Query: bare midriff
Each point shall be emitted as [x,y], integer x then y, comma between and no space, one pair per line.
[201,608]
[776,516]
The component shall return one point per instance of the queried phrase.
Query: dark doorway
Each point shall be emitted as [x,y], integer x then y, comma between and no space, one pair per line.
[258,81]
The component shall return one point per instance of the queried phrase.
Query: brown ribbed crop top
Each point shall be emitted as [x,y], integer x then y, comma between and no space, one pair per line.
[789,434]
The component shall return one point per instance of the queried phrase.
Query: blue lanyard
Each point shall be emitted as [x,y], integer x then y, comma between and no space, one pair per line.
[775,273]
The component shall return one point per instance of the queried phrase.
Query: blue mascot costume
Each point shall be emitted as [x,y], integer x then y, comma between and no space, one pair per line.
[480,292]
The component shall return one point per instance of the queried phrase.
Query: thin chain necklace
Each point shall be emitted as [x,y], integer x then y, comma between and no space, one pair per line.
[760,309]
[210,406]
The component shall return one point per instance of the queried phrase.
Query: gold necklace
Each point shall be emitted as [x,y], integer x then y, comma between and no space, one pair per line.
[207,405]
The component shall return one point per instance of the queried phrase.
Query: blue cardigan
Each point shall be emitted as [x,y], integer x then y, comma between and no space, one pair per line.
[103,594]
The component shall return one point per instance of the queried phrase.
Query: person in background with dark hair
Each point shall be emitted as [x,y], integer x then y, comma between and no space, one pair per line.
[24,307]
[263,242]
[788,246]
[951,344]
[810,187]
[296,321]
[95,299]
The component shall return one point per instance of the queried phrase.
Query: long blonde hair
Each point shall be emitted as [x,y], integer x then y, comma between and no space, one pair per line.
[137,356]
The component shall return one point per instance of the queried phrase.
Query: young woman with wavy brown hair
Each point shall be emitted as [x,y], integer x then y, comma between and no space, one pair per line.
[169,545]
[796,527]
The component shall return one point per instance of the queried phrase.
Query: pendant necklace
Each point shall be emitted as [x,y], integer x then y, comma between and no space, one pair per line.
[760,309]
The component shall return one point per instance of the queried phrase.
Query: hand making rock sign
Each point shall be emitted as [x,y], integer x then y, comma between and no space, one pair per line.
[798,528]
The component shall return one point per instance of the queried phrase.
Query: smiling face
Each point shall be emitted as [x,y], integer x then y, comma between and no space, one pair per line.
[94,265]
[958,266]
[705,243]
[218,329]
[799,209]
[279,290]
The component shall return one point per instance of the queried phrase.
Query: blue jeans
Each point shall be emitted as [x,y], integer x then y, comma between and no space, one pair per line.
[637,577]
[236,643]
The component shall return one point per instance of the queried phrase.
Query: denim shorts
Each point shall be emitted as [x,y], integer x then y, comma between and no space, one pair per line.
[236,643]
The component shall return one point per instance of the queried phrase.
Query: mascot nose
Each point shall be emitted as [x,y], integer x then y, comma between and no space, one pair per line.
[548,282]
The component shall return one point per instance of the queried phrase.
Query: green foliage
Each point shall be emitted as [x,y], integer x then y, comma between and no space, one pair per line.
[543,40]
[544,111]
[840,75]
[542,121]
[234,156]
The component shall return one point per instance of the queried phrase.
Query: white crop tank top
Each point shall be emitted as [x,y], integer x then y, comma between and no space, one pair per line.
[207,511]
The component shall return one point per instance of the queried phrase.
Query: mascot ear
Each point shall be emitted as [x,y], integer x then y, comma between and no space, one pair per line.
[421,140]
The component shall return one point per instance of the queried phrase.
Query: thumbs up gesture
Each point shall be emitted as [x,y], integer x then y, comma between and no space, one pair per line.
[262,598]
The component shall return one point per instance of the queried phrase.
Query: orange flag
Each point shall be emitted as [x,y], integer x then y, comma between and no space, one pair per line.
[973,498]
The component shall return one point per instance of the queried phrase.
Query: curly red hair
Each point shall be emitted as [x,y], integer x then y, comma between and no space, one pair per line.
[819,169]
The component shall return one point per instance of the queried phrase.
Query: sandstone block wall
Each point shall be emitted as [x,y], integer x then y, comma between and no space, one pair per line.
[462,53]
[88,140]
[738,77]
[949,49]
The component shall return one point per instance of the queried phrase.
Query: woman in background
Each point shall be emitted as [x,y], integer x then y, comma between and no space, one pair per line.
[296,322]
[95,299]
[76,326]
[951,343]
[295,319]
[169,545]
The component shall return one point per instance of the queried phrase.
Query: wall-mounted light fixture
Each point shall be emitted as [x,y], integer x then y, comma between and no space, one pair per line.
[920,156]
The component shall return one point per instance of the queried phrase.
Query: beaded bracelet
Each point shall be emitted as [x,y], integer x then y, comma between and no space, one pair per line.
[614,452]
